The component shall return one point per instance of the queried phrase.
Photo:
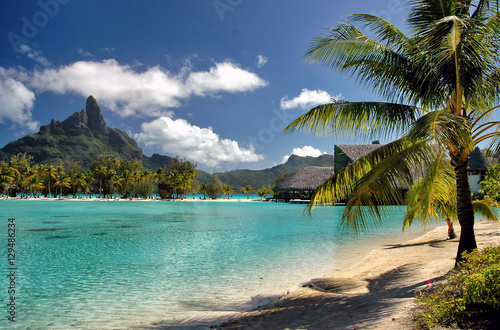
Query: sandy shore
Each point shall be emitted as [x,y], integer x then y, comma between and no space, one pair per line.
[93,199]
[375,293]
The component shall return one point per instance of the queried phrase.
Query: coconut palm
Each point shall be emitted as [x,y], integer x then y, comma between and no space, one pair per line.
[5,181]
[127,179]
[63,181]
[6,177]
[101,172]
[79,182]
[51,173]
[203,189]
[247,190]
[227,190]
[115,182]
[434,197]
[441,88]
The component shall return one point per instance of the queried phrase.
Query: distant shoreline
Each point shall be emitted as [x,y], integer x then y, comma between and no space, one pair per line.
[231,200]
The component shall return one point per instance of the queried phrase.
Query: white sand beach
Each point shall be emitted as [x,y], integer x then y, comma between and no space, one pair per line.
[375,293]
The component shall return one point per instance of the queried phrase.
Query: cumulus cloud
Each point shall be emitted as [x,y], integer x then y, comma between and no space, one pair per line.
[261,61]
[151,93]
[16,101]
[115,86]
[304,152]
[202,145]
[227,77]
[307,99]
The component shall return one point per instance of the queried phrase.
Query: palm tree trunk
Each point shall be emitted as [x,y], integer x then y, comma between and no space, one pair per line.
[451,230]
[465,211]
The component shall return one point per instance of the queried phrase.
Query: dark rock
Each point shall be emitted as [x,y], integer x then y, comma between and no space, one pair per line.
[95,118]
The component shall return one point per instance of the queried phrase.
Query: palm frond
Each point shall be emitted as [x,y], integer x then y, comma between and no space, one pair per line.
[375,193]
[485,208]
[433,196]
[445,128]
[374,182]
[385,65]
[384,31]
[357,118]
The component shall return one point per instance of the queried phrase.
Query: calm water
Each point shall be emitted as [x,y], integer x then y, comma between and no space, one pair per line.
[122,264]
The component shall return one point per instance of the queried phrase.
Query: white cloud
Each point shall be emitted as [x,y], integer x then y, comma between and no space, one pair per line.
[151,93]
[84,53]
[115,86]
[34,55]
[16,101]
[304,152]
[262,60]
[227,77]
[307,99]
[202,145]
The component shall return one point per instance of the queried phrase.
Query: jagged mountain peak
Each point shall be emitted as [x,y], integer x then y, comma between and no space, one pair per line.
[95,118]
[82,136]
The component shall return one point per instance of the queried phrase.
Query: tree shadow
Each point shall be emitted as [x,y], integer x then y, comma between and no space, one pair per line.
[336,309]
[434,243]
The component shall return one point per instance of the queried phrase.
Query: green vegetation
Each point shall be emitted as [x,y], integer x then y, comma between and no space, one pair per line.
[491,183]
[227,190]
[264,191]
[214,187]
[247,190]
[433,197]
[107,176]
[441,87]
[265,177]
[84,137]
[469,296]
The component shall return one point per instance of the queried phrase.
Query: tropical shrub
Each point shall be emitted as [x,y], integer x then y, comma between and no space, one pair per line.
[468,296]
[214,187]
[491,183]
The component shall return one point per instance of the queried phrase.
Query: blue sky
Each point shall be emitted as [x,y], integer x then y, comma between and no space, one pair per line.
[215,81]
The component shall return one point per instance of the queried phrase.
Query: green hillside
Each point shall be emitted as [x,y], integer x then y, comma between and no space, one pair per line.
[259,178]
[81,137]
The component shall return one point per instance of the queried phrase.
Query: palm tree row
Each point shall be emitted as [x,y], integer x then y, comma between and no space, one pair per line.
[107,176]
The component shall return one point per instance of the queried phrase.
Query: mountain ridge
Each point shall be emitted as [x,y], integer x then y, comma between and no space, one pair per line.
[85,135]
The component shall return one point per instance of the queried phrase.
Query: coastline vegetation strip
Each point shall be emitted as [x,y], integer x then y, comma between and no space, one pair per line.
[111,178]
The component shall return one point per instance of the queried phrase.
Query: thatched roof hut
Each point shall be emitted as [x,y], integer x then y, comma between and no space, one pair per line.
[346,154]
[479,163]
[306,179]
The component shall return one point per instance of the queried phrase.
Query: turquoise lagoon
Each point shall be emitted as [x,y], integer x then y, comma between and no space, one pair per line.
[120,264]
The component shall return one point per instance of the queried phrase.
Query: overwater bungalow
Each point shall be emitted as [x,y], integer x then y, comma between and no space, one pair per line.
[300,186]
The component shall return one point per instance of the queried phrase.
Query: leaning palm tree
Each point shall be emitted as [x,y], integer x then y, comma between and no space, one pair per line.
[433,197]
[441,88]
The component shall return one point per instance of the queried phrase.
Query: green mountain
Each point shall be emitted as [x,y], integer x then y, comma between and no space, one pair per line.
[81,137]
[259,178]
[85,135]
